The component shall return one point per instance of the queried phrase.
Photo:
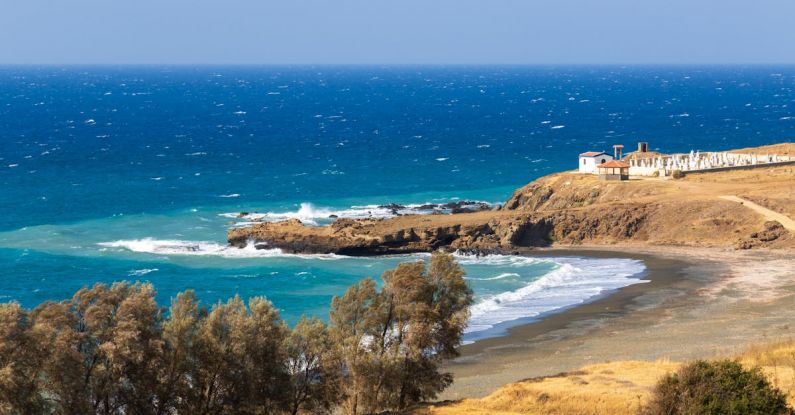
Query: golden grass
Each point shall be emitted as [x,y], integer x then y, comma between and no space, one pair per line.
[609,388]
[777,360]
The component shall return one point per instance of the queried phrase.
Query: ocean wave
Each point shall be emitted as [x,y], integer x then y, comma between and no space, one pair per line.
[202,248]
[575,281]
[140,272]
[516,261]
[316,216]
[498,277]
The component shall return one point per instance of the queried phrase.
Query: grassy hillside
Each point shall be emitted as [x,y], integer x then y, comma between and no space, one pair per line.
[609,388]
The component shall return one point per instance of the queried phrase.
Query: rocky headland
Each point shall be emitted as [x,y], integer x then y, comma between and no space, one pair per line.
[742,209]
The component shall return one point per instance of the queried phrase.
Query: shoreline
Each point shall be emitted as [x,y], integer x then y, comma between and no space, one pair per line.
[691,290]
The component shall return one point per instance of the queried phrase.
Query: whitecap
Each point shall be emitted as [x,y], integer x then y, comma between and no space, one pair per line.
[498,277]
[557,127]
[315,216]
[140,272]
[202,248]
[231,195]
[443,159]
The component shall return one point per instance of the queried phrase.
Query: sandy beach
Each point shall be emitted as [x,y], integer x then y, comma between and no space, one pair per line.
[700,302]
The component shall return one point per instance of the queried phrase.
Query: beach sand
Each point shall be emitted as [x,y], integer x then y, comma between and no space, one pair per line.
[700,302]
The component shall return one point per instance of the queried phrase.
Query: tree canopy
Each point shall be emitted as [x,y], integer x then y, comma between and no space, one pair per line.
[113,350]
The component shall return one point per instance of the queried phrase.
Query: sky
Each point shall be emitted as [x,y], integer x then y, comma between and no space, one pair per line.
[397,32]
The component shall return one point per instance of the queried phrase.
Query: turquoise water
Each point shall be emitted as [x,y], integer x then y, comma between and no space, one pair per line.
[136,173]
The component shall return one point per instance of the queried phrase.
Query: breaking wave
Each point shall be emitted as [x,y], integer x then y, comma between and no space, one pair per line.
[498,277]
[317,216]
[574,281]
[202,248]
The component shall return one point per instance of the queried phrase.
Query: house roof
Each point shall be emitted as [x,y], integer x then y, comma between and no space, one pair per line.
[592,154]
[614,164]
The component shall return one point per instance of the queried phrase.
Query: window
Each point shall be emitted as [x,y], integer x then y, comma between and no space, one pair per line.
[603,161]
[583,162]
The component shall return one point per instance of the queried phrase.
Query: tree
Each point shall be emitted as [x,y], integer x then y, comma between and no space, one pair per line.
[102,346]
[20,360]
[239,360]
[314,367]
[178,362]
[393,340]
[351,330]
[134,353]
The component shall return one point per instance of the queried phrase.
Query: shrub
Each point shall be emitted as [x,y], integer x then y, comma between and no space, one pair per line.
[677,174]
[721,387]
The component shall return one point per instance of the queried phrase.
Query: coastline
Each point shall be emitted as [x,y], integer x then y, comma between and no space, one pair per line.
[709,291]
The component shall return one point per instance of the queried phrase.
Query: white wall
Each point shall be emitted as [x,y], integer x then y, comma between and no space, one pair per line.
[588,164]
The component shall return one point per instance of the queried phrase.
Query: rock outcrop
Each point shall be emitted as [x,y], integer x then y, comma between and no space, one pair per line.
[367,237]
[560,209]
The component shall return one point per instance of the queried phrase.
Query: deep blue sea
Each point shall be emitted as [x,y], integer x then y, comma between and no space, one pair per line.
[136,173]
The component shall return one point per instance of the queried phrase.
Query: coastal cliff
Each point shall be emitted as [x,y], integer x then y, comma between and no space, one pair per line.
[570,209]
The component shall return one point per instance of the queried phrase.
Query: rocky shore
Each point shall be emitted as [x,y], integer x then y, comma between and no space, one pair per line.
[561,209]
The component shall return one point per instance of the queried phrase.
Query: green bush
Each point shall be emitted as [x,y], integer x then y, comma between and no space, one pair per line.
[677,174]
[721,387]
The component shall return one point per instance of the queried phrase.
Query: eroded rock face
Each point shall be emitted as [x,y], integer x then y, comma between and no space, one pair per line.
[495,233]
[366,237]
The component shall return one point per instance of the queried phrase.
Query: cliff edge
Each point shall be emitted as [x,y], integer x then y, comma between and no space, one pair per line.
[570,209]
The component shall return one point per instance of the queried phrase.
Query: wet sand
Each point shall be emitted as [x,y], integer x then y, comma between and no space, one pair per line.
[700,302]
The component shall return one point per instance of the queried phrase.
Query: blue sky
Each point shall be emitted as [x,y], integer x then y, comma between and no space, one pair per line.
[397,32]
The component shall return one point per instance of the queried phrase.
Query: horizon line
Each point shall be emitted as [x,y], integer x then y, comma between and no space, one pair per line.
[375,64]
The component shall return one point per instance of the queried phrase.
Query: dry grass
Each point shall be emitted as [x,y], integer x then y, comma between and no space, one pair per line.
[609,388]
[777,360]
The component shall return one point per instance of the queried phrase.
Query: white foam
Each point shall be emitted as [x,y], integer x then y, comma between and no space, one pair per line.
[312,215]
[516,261]
[202,248]
[575,281]
[498,277]
[140,272]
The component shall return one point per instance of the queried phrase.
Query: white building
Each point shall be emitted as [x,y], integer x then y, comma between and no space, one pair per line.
[591,159]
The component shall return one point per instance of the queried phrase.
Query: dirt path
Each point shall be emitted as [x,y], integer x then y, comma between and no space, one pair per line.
[788,223]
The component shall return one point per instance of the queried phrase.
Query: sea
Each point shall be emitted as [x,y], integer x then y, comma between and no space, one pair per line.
[135,173]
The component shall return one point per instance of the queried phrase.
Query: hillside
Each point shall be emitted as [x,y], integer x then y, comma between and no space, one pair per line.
[617,388]
[570,208]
